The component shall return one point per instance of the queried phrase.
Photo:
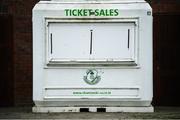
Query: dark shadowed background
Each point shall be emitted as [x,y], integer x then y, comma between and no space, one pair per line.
[16,52]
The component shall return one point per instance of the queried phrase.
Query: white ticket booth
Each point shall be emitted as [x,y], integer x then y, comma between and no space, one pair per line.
[92,55]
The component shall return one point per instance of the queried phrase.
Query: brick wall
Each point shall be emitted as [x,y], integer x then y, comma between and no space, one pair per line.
[21,10]
[22,15]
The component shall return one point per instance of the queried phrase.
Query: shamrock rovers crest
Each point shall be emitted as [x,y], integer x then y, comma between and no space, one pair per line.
[92,77]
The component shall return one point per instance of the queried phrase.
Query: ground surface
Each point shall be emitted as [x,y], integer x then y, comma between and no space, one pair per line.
[25,113]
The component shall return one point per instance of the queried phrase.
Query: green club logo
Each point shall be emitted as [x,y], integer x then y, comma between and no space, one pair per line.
[92,77]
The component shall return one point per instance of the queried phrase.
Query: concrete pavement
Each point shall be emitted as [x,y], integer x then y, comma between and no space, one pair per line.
[26,113]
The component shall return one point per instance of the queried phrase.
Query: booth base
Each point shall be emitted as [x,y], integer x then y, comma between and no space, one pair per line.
[92,109]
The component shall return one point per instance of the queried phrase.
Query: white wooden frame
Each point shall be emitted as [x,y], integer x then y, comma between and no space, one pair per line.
[55,61]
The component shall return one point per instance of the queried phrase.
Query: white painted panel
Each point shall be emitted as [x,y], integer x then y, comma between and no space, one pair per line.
[69,41]
[113,41]
[91,41]
[92,93]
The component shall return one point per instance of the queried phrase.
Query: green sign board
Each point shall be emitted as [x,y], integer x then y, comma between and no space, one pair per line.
[91,12]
